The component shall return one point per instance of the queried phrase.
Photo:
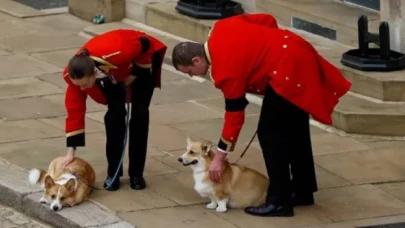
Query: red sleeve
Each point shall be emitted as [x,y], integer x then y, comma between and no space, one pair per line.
[233,89]
[259,19]
[75,103]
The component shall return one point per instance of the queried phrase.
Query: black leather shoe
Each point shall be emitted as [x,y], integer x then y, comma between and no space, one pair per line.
[271,210]
[114,186]
[303,199]
[137,183]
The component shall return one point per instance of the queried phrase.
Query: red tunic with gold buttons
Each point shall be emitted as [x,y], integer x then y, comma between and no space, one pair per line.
[249,52]
[116,51]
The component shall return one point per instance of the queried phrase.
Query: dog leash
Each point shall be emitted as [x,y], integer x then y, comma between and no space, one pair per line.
[247,147]
[124,146]
[123,149]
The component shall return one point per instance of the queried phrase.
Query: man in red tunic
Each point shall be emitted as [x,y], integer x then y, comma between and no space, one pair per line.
[250,54]
[114,68]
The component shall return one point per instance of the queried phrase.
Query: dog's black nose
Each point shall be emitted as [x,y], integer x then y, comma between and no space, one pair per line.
[55,208]
[180,159]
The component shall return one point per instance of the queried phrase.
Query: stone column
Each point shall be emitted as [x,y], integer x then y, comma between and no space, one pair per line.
[393,12]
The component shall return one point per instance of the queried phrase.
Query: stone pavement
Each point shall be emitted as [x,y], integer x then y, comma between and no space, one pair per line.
[361,180]
[11,218]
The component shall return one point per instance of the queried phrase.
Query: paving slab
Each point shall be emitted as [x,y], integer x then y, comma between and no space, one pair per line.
[32,129]
[179,217]
[55,79]
[179,188]
[26,87]
[13,185]
[303,216]
[30,108]
[42,42]
[175,91]
[63,22]
[59,58]
[17,27]
[370,166]
[395,189]
[9,217]
[357,202]
[327,143]
[183,107]
[42,151]
[127,199]
[379,143]
[4,52]
[86,214]
[153,166]
[166,138]
[18,65]
[366,223]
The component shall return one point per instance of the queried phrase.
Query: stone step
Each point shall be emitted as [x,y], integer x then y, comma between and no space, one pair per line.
[382,86]
[319,17]
[352,115]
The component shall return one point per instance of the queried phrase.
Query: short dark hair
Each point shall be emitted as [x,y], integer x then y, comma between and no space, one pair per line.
[81,65]
[184,52]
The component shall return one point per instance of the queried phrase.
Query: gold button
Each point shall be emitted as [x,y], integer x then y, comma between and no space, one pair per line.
[285,46]
[231,138]
[274,72]
[334,93]
[298,85]
[286,37]
[287,78]
[258,90]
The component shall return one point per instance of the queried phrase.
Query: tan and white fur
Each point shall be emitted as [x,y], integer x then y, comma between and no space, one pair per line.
[64,187]
[239,187]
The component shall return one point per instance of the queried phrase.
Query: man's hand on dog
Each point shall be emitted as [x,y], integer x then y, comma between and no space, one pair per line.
[217,167]
[69,157]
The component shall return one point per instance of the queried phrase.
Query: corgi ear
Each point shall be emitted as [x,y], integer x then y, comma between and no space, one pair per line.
[70,185]
[189,141]
[49,182]
[206,146]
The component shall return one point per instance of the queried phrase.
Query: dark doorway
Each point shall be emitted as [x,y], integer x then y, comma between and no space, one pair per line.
[371,4]
[44,4]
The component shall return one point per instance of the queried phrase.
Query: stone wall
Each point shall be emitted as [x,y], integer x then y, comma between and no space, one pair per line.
[393,12]
[113,10]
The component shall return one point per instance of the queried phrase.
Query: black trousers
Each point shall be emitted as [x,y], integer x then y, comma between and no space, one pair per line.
[114,119]
[284,137]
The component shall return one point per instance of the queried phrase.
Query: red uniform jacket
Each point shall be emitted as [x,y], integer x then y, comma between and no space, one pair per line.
[117,51]
[248,52]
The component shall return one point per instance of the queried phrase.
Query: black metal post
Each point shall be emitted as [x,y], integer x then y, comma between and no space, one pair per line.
[363,32]
[209,9]
[373,59]
[384,40]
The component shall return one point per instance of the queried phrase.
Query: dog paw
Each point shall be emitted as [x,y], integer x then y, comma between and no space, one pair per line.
[212,205]
[221,209]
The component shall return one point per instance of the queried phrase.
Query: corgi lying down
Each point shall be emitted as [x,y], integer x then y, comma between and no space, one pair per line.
[240,186]
[64,187]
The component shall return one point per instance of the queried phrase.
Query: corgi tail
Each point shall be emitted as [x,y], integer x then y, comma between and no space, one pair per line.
[36,175]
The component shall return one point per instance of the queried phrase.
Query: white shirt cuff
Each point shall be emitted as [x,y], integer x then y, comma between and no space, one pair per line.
[221,150]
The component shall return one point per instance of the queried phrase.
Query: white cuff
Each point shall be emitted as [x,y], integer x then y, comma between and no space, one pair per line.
[222,151]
